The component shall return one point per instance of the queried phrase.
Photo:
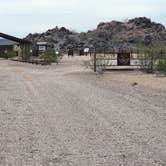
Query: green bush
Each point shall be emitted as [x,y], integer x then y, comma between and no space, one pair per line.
[8,54]
[26,52]
[161,66]
[151,58]
[147,60]
[2,54]
[11,54]
[50,56]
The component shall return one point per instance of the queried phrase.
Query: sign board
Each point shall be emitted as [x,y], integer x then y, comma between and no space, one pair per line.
[42,48]
[86,50]
[123,59]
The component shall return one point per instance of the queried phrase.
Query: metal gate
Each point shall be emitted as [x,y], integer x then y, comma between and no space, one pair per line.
[123,59]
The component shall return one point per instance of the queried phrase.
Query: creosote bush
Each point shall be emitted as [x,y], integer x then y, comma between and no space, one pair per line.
[8,54]
[153,59]
[26,52]
[161,66]
[50,56]
[11,54]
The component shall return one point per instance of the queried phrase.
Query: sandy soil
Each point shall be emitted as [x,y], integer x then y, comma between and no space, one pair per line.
[66,115]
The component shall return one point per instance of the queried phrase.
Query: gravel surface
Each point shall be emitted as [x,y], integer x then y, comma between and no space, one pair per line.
[65,115]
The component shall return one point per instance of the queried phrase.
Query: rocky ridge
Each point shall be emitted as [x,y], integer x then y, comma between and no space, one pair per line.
[114,34]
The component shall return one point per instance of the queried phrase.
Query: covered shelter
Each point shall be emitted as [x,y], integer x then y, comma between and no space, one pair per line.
[20,46]
[8,45]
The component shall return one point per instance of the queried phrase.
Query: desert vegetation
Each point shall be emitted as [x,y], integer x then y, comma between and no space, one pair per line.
[153,59]
[7,54]
[50,56]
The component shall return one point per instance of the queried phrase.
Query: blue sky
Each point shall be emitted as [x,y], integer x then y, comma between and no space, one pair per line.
[20,17]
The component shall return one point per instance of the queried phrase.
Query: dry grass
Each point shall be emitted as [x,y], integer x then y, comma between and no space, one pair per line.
[129,77]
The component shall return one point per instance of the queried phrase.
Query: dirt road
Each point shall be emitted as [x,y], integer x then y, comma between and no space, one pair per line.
[66,115]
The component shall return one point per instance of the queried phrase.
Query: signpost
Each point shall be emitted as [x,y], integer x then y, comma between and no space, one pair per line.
[95,61]
[86,51]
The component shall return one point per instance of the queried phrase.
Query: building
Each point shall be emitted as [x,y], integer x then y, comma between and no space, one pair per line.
[8,43]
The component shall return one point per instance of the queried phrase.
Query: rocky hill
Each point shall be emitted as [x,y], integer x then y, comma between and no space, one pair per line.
[108,35]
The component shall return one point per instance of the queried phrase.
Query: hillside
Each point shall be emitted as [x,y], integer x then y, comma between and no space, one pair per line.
[108,35]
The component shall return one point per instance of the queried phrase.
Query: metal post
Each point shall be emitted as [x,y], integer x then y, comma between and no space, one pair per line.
[95,61]
[152,63]
[150,60]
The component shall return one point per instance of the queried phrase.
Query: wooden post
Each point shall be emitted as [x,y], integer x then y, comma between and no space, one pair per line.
[152,63]
[161,52]
[95,61]
[150,54]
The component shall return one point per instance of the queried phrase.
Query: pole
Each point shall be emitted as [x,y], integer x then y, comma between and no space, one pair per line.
[95,61]
[152,63]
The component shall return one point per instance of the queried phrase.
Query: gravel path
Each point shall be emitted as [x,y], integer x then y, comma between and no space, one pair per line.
[66,115]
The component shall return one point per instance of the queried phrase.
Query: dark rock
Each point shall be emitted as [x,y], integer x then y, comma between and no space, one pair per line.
[109,35]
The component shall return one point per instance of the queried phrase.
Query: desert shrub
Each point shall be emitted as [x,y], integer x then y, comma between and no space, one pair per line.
[26,52]
[8,54]
[150,58]
[161,66]
[2,54]
[50,56]
[147,60]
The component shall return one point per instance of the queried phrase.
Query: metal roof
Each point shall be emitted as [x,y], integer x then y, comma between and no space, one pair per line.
[6,42]
[15,39]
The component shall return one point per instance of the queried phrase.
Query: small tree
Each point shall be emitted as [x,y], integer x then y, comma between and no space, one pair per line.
[2,54]
[152,58]
[7,54]
[50,56]
[26,52]
[10,54]
[161,66]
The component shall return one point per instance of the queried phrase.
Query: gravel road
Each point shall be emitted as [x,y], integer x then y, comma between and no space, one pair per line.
[65,115]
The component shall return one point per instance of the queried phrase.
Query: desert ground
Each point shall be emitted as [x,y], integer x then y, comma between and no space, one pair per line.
[66,115]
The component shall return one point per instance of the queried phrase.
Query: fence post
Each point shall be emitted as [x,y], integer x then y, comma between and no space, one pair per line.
[95,61]
[161,52]
[152,63]
[150,54]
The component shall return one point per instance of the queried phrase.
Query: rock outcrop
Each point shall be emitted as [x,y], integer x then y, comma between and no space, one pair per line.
[114,34]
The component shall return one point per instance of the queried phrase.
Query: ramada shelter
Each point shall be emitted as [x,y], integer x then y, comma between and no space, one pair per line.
[8,42]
